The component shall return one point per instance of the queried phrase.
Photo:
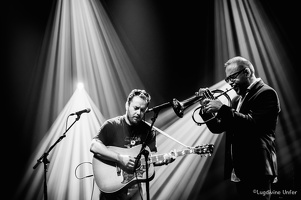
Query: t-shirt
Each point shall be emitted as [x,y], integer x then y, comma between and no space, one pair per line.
[116,132]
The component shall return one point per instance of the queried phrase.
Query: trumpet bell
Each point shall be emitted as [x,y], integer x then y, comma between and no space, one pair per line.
[179,107]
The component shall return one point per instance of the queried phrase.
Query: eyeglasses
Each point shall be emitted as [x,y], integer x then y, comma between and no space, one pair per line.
[233,76]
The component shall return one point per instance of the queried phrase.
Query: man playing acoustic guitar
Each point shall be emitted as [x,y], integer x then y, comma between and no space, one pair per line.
[115,148]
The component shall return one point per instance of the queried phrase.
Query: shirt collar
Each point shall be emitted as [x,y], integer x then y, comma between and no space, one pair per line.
[250,87]
[252,84]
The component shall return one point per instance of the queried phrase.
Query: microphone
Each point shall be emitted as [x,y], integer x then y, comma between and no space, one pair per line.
[87,110]
[159,107]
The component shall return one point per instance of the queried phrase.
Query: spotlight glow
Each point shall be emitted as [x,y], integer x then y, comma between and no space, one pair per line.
[80,85]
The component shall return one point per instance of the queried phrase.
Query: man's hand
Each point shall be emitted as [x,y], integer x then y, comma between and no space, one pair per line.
[206,94]
[167,158]
[170,157]
[128,162]
[209,103]
[211,106]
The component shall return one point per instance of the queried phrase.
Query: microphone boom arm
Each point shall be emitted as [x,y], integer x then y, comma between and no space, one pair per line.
[44,159]
[159,107]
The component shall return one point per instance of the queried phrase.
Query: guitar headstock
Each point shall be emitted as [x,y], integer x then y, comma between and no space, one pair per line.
[206,149]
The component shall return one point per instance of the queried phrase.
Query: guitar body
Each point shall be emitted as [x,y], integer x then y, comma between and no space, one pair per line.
[110,178]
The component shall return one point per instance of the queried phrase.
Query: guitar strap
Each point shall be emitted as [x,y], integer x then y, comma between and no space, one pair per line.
[165,134]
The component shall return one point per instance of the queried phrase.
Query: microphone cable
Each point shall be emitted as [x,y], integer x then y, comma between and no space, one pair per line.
[87,176]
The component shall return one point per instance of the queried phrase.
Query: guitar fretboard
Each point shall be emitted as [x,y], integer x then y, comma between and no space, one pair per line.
[160,157]
[201,150]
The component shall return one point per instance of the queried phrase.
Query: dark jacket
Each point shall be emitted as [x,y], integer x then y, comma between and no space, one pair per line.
[250,132]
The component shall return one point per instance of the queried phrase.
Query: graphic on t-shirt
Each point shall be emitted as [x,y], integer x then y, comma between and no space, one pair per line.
[132,141]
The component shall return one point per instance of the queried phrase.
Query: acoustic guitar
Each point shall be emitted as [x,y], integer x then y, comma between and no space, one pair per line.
[110,177]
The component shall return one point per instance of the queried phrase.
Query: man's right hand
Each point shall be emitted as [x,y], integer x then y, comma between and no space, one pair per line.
[128,162]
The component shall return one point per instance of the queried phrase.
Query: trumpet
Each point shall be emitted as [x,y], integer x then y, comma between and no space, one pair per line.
[179,107]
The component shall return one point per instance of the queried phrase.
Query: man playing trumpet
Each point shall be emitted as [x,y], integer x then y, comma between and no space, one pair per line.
[250,123]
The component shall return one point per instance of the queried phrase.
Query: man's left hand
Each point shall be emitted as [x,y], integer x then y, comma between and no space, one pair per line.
[170,157]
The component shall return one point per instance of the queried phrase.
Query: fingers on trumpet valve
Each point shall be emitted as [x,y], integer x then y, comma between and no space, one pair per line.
[206,95]
[202,91]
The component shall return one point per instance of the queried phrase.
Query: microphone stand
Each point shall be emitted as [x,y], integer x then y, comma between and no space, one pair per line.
[44,159]
[146,153]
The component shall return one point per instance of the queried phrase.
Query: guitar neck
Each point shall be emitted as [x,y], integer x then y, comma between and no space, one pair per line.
[160,157]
